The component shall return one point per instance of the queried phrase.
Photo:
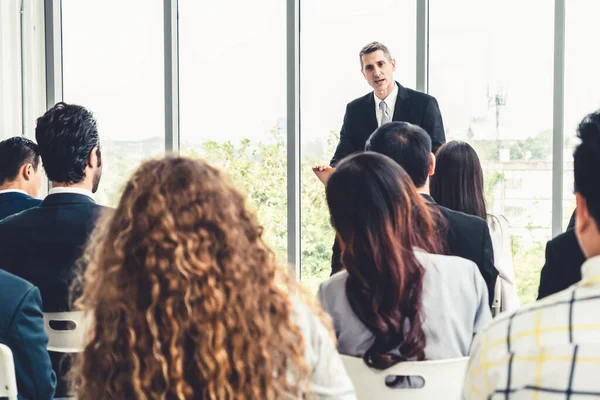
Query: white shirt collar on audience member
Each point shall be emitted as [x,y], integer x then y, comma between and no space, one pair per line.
[59,190]
[13,191]
[590,271]
[390,100]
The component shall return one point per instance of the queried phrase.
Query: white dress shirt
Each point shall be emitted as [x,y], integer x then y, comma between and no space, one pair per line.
[546,350]
[390,101]
[59,190]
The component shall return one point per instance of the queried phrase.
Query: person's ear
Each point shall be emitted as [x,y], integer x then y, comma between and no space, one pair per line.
[27,171]
[582,215]
[93,158]
[431,164]
[393,62]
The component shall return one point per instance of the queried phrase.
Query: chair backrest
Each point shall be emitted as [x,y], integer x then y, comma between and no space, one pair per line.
[8,378]
[68,340]
[443,379]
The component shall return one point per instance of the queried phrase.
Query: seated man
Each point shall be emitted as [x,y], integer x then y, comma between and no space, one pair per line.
[467,236]
[42,244]
[20,175]
[22,330]
[551,348]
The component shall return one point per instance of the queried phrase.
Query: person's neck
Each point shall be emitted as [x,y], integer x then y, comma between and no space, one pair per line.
[81,185]
[12,186]
[383,94]
[424,189]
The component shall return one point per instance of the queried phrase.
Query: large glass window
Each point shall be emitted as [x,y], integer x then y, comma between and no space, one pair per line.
[113,65]
[582,80]
[233,99]
[332,34]
[492,75]
[10,70]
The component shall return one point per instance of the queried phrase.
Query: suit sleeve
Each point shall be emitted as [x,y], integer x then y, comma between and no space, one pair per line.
[433,124]
[550,275]
[28,342]
[345,145]
[488,270]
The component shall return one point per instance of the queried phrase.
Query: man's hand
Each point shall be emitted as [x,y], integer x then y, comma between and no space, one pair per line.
[323,172]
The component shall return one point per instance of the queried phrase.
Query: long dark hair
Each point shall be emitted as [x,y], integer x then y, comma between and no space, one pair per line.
[458,179]
[379,219]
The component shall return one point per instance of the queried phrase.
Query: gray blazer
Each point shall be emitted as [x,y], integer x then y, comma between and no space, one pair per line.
[455,307]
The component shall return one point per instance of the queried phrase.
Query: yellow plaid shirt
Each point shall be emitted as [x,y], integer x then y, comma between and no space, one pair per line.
[546,350]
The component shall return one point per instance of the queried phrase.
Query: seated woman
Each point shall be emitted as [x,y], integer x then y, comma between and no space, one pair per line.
[458,184]
[396,300]
[187,302]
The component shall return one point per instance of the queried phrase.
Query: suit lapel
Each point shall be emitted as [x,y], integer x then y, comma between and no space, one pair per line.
[402,103]
[370,117]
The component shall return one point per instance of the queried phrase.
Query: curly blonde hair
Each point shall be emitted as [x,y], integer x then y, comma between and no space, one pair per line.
[184,298]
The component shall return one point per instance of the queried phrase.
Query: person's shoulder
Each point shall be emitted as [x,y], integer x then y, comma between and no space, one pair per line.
[18,219]
[567,239]
[446,264]
[461,217]
[417,96]
[336,283]
[13,287]
[361,101]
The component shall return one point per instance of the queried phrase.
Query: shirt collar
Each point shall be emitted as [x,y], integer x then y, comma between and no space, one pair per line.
[390,100]
[13,191]
[590,271]
[60,190]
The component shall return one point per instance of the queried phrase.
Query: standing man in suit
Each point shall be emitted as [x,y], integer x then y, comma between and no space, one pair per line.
[22,330]
[389,101]
[42,244]
[20,175]
[467,236]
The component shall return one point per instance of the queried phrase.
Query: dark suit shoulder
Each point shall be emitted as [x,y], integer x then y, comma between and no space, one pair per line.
[361,101]
[419,96]
[565,240]
[465,220]
[12,292]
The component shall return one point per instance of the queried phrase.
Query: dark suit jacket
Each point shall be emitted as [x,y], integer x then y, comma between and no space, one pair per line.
[411,106]
[468,237]
[22,329]
[15,202]
[42,244]
[562,269]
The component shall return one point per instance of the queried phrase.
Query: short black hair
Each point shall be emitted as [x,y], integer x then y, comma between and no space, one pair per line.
[14,153]
[586,160]
[66,135]
[407,144]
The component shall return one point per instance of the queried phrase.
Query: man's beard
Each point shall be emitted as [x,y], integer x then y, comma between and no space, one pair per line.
[97,177]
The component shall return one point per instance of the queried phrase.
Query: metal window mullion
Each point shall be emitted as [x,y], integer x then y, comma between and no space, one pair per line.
[422,54]
[171,60]
[54,62]
[558,116]
[293,133]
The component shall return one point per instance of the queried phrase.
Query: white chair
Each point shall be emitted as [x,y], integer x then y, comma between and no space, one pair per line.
[443,379]
[8,378]
[68,340]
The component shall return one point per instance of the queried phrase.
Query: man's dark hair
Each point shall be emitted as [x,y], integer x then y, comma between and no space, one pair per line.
[66,135]
[14,153]
[587,163]
[407,144]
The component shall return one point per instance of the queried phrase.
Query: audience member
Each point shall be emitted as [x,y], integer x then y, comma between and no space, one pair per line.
[551,349]
[458,185]
[187,301]
[42,244]
[20,175]
[398,299]
[563,262]
[466,236]
[22,329]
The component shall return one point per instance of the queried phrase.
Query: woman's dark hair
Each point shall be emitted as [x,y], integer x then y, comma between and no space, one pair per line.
[458,179]
[379,219]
